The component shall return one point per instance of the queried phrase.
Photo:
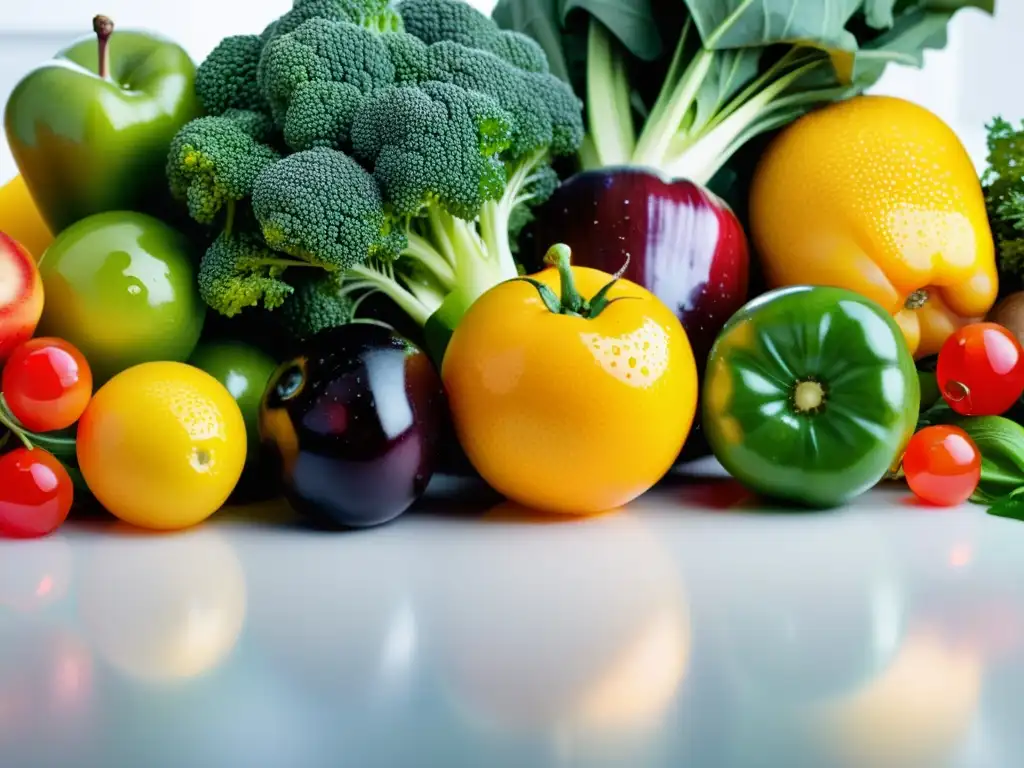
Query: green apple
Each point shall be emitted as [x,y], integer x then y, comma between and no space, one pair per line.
[90,129]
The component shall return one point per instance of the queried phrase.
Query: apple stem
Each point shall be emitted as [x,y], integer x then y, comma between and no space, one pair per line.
[103,26]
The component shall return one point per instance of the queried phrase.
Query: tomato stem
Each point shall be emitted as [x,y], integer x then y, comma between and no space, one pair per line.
[13,427]
[559,257]
[917,299]
[808,396]
[571,302]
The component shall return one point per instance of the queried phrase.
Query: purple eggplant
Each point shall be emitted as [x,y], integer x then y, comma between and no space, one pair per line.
[355,424]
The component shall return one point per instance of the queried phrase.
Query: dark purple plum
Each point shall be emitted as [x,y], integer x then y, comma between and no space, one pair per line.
[355,423]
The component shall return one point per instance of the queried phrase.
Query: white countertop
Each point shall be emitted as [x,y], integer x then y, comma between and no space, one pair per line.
[692,629]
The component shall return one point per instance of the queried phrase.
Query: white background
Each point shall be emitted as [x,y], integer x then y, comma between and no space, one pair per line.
[975,78]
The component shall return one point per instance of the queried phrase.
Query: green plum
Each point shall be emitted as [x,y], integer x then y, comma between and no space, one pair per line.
[245,371]
[121,286]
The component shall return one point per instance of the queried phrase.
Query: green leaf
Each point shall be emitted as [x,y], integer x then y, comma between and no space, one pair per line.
[1001,444]
[748,23]
[1011,506]
[541,20]
[631,21]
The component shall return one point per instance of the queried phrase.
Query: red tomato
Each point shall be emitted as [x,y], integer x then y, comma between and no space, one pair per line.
[942,465]
[47,384]
[981,370]
[35,493]
[21,295]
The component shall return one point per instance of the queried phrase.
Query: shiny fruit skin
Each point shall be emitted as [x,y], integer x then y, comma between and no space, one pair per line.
[682,243]
[122,288]
[567,414]
[47,384]
[20,217]
[810,395]
[162,445]
[21,295]
[35,493]
[877,195]
[354,424]
[980,370]
[942,465]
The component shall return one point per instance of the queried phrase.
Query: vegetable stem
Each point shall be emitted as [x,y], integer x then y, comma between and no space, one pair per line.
[609,111]
[103,26]
[559,256]
[7,420]
[386,284]
[667,117]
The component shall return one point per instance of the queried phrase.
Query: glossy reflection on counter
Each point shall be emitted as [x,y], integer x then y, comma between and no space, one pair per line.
[692,628]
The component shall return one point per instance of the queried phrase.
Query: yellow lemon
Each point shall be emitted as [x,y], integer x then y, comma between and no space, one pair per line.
[162,445]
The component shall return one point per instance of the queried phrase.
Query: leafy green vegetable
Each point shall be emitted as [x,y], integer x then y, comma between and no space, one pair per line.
[1011,506]
[1001,444]
[683,90]
[1003,181]
[395,149]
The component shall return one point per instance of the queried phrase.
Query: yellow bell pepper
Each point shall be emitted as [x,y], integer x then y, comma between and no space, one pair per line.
[877,195]
[20,219]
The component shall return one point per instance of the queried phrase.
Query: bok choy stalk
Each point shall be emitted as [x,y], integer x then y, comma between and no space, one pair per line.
[680,86]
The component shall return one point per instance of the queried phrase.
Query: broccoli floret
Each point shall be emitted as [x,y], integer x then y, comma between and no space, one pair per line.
[321,300]
[239,271]
[434,21]
[322,50]
[321,114]
[409,56]
[322,207]
[227,78]
[545,111]
[259,125]
[435,142]
[213,161]
[372,14]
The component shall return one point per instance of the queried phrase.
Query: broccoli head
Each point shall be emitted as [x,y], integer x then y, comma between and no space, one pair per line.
[239,271]
[372,14]
[320,301]
[546,114]
[435,142]
[227,78]
[322,50]
[322,207]
[321,114]
[214,161]
[434,21]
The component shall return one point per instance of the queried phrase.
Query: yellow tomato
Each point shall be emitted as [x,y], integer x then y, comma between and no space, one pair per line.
[570,413]
[162,445]
[879,196]
[20,219]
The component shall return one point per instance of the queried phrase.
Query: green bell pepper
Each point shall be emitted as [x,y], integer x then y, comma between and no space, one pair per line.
[810,396]
[90,128]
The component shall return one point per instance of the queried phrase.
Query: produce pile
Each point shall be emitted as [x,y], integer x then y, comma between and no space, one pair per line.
[566,248]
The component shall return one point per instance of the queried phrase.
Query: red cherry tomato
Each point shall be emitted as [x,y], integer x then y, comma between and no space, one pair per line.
[35,493]
[47,383]
[942,465]
[981,370]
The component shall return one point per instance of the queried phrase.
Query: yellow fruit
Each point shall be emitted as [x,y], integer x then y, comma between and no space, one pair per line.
[20,219]
[878,195]
[162,445]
